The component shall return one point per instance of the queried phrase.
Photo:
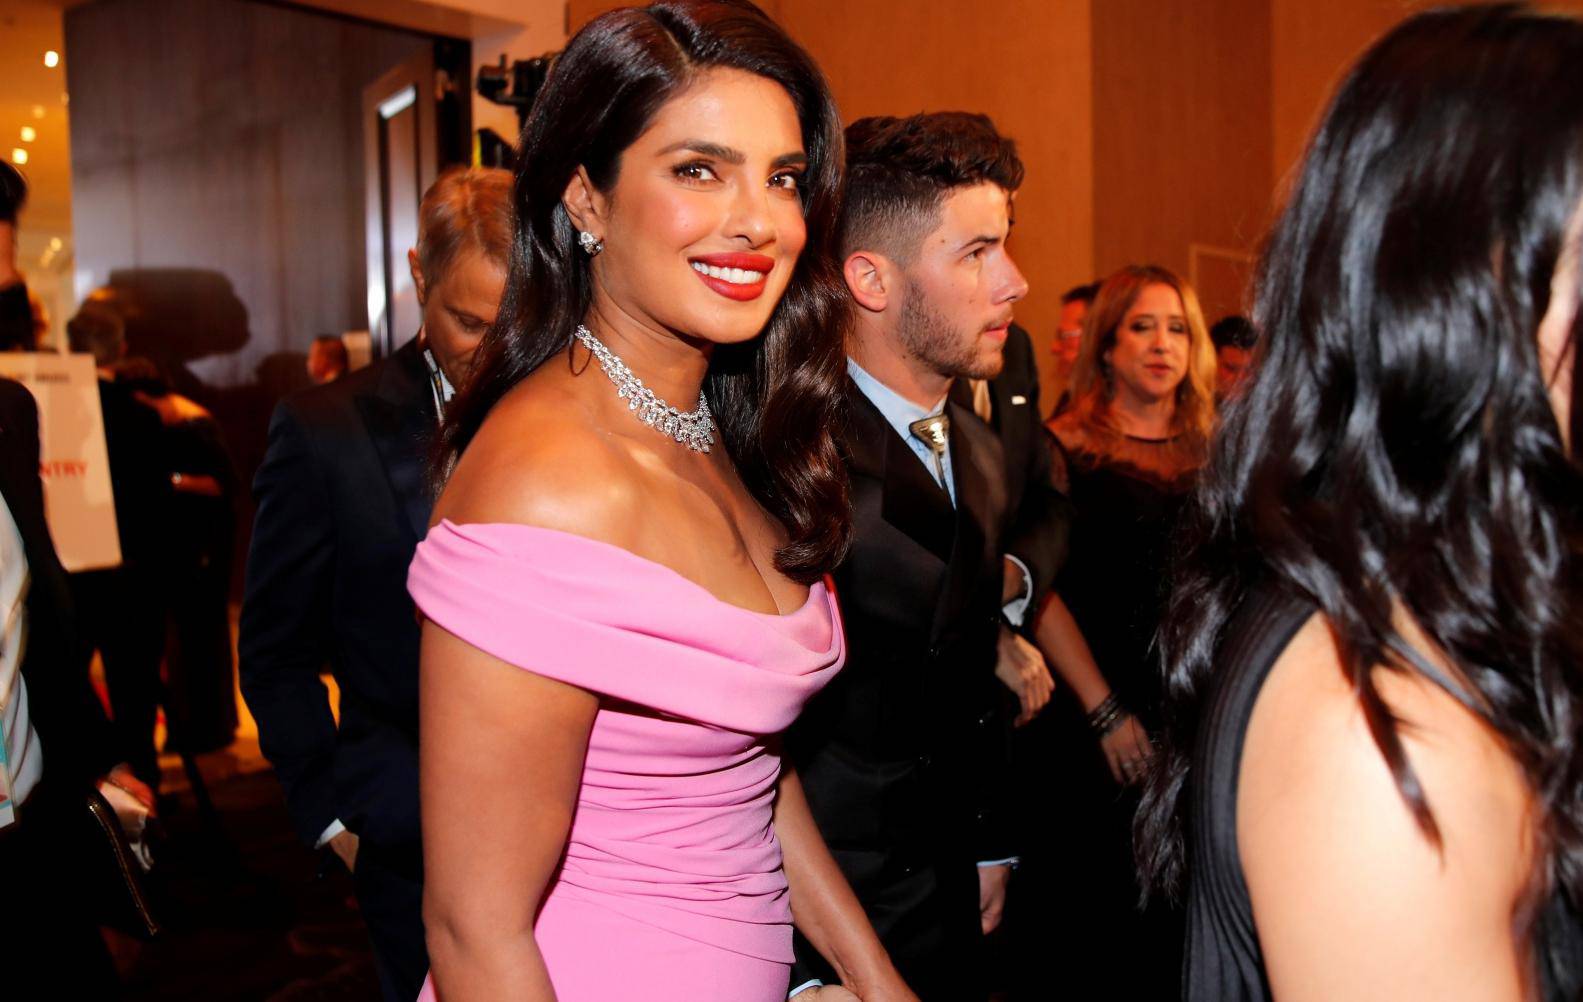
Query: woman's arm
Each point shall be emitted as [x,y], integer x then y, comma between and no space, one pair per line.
[500,763]
[823,905]
[1350,898]
[1126,747]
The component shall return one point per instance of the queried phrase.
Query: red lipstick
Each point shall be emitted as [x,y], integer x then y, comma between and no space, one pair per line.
[739,291]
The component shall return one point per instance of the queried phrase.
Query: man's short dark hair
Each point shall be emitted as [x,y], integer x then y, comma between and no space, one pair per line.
[1235,331]
[98,330]
[13,192]
[900,170]
[1080,294]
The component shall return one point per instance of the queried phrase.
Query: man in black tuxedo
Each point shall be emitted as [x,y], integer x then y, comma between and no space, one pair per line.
[903,756]
[343,500]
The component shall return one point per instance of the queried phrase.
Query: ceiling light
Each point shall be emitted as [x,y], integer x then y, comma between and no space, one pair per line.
[38,111]
[19,156]
[55,243]
[52,59]
[29,133]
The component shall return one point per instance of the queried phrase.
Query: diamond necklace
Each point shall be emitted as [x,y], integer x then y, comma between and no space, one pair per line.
[696,429]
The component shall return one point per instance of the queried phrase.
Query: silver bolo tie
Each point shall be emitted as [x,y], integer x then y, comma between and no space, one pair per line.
[933,431]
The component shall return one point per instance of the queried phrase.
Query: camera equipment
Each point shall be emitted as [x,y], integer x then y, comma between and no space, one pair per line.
[516,85]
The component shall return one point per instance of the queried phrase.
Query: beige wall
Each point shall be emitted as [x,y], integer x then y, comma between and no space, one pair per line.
[1182,139]
[1311,47]
[1035,82]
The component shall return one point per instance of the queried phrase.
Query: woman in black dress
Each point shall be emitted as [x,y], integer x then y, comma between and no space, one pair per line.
[1375,646]
[1125,453]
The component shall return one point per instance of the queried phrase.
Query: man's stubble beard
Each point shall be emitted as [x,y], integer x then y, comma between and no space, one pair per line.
[928,336]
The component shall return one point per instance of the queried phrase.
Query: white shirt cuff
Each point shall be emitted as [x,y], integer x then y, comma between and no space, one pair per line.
[335,829]
[1011,861]
[1017,608]
[815,983]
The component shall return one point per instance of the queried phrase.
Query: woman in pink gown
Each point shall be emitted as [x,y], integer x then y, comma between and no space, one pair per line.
[625,598]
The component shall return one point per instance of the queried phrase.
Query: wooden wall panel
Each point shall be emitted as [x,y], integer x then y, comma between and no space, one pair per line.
[1182,132]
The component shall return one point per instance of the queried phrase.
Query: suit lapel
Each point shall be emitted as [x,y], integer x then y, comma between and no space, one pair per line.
[399,416]
[911,501]
[977,468]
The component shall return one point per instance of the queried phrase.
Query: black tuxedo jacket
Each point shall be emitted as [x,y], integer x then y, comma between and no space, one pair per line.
[342,504]
[903,754]
[63,708]
[1041,515]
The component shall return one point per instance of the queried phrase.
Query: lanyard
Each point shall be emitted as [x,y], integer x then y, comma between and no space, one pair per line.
[438,385]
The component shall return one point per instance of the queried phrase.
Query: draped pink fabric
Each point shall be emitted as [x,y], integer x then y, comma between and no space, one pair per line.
[672,829]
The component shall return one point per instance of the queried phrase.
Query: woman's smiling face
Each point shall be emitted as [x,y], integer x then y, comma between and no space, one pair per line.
[704,223]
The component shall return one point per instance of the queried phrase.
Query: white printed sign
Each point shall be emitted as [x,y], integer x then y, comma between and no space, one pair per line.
[72,457]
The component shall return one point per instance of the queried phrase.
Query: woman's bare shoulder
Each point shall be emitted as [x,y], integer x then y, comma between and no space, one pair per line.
[540,459]
[1351,897]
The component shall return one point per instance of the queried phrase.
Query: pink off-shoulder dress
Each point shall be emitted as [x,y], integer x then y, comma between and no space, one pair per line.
[672,887]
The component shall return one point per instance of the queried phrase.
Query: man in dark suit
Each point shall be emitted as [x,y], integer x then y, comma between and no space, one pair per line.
[343,500]
[903,756]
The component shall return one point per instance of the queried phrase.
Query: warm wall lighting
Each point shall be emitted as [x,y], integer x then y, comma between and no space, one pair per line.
[52,59]
[19,156]
[29,133]
[38,111]
[55,243]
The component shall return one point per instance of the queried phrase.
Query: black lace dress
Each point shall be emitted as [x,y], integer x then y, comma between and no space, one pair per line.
[1073,911]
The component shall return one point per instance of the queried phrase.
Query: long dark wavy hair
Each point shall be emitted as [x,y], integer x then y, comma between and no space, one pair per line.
[776,400]
[1397,444]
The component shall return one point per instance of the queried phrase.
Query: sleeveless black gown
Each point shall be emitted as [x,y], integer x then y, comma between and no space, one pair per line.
[1223,962]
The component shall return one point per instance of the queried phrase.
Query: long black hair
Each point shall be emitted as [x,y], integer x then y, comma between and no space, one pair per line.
[1397,444]
[776,400]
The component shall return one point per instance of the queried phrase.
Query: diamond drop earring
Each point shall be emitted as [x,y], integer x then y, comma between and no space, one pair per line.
[591,244]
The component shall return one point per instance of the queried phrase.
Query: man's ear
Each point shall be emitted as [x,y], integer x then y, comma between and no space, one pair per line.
[584,204]
[418,284]
[872,279]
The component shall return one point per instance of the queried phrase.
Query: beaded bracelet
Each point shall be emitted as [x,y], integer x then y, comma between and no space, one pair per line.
[1107,716]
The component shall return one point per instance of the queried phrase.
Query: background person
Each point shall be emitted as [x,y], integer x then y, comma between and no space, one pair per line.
[57,741]
[122,610]
[327,359]
[1125,453]
[16,311]
[1075,303]
[1375,636]
[343,500]
[903,756]
[625,603]
[1235,338]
